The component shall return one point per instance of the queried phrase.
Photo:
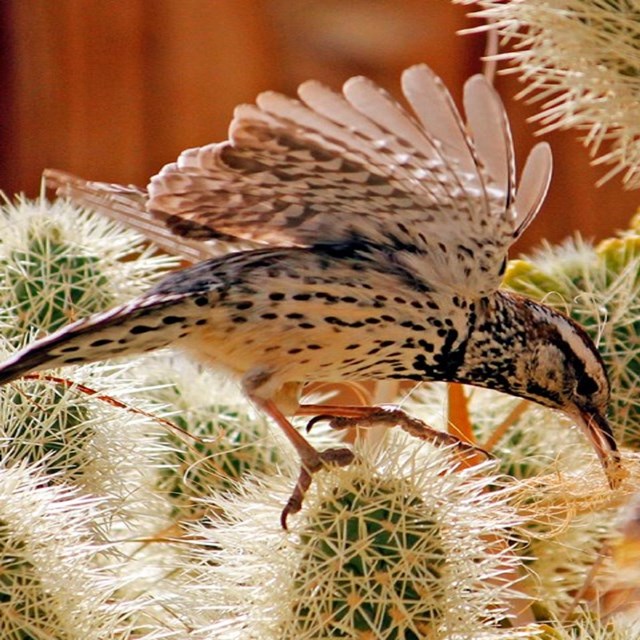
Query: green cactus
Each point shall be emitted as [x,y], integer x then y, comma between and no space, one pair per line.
[400,544]
[50,586]
[60,263]
[48,424]
[220,443]
[587,625]
[227,445]
[51,284]
[375,528]
[539,442]
[57,263]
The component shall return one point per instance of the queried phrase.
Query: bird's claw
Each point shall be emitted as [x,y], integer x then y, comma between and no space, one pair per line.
[337,456]
[320,418]
[358,416]
[366,417]
[391,417]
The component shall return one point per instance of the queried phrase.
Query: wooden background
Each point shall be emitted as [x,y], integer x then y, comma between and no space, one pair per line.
[114,89]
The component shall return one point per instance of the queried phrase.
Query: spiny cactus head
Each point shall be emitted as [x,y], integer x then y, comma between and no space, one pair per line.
[620,254]
[562,554]
[391,554]
[50,283]
[400,544]
[46,423]
[218,445]
[580,60]
[49,584]
[60,263]
[527,278]
[588,625]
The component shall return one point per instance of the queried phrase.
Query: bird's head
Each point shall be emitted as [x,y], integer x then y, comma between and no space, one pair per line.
[530,350]
[561,368]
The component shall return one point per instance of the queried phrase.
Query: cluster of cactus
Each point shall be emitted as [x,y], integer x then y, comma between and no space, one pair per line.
[214,442]
[581,63]
[74,466]
[174,530]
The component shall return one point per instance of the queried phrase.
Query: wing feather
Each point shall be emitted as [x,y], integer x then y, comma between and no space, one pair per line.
[437,114]
[534,183]
[127,205]
[491,134]
[436,196]
[440,120]
[387,152]
[332,121]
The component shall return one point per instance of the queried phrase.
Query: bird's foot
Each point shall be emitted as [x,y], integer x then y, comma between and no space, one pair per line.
[338,456]
[367,417]
[312,460]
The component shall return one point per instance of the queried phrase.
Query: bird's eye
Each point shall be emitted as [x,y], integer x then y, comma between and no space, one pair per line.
[587,386]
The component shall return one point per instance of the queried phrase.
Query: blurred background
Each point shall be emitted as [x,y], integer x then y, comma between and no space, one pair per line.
[112,90]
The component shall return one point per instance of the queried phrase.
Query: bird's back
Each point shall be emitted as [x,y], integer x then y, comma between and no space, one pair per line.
[302,314]
[325,314]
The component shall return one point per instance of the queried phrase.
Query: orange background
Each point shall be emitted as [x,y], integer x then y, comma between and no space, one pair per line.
[112,90]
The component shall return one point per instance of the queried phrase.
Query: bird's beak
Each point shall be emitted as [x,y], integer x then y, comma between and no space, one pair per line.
[598,430]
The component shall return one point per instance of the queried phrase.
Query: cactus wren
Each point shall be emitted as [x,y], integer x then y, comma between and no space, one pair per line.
[377,242]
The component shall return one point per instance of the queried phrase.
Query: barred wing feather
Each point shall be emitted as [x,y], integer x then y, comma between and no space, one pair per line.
[334,168]
[438,197]
[128,205]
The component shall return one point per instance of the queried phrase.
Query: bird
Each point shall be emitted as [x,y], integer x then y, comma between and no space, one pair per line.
[363,239]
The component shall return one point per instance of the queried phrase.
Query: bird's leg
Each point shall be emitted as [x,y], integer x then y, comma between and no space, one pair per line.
[311,459]
[459,422]
[347,417]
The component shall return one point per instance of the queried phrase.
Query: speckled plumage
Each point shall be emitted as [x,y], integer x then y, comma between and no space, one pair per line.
[377,241]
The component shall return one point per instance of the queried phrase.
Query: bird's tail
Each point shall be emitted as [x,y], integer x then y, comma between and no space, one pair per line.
[143,324]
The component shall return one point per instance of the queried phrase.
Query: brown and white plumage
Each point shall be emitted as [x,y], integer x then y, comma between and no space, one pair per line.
[128,205]
[330,168]
[384,235]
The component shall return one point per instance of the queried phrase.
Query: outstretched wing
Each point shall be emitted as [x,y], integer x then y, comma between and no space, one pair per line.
[336,168]
[128,205]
